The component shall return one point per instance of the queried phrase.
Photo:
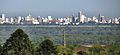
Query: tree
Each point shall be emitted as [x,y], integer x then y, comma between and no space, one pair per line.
[18,44]
[96,49]
[0,49]
[80,53]
[47,48]
[115,50]
[60,49]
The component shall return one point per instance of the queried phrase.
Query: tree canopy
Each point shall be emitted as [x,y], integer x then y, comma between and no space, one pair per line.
[18,44]
[47,47]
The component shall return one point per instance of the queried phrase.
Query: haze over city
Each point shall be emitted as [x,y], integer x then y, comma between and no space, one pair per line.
[60,8]
[59,27]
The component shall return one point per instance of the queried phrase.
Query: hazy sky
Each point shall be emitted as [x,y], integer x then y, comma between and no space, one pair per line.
[60,8]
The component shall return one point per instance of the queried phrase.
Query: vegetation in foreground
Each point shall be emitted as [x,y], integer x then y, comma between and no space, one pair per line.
[20,44]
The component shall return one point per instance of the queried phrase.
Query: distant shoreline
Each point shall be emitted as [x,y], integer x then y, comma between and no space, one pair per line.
[31,25]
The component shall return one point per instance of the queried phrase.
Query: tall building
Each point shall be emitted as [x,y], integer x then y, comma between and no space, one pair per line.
[79,14]
[109,21]
[116,21]
[73,19]
[39,19]
[19,19]
[99,18]
[29,18]
[7,20]
[49,17]
[103,19]
[95,19]
[81,17]
[3,17]
[11,20]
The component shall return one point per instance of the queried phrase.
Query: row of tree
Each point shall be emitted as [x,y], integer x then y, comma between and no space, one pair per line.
[20,44]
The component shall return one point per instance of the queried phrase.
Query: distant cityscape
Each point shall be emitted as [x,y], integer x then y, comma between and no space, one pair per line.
[70,20]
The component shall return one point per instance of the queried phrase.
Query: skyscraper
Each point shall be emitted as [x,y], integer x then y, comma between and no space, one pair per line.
[73,19]
[49,17]
[79,14]
[3,17]
[99,18]
[81,17]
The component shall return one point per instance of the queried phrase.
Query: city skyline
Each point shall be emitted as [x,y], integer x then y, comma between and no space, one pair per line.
[68,20]
[60,8]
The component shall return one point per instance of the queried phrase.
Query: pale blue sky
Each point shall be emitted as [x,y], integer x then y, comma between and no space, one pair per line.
[60,8]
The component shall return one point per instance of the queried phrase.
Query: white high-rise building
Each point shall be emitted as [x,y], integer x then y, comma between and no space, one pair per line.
[7,20]
[29,18]
[116,21]
[61,19]
[19,19]
[103,19]
[95,19]
[3,17]
[49,17]
[11,20]
[81,17]
[35,21]
[109,21]
[69,18]
[89,19]
[45,20]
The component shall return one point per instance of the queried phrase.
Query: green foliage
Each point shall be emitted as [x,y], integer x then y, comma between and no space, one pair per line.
[47,48]
[75,35]
[70,49]
[60,49]
[18,44]
[114,50]
[96,49]
[0,49]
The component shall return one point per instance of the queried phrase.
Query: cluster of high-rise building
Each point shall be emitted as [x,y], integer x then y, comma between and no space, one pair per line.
[71,20]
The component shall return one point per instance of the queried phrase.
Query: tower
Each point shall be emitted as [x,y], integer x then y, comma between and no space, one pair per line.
[3,17]
[73,19]
[81,17]
[99,18]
